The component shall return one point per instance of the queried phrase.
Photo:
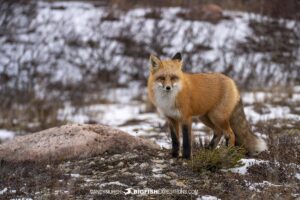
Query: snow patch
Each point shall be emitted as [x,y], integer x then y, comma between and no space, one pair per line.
[113,183]
[297,89]
[274,112]
[6,135]
[246,164]
[258,186]
[75,175]
[3,191]
[208,197]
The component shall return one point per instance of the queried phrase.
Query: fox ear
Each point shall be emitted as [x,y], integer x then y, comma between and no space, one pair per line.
[155,62]
[177,56]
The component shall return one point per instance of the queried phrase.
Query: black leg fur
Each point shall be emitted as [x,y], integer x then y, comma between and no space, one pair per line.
[212,143]
[175,142]
[186,142]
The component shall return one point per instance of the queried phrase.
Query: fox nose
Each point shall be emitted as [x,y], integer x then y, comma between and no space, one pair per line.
[168,88]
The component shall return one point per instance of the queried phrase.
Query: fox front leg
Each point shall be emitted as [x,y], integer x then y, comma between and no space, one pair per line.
[187,140]
[174,130]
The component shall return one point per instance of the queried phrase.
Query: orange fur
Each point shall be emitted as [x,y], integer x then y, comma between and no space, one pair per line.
[211,96]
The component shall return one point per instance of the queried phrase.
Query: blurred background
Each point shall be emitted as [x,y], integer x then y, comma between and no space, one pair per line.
[87,61]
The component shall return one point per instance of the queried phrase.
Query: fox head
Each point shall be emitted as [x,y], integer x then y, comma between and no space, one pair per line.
[166,74]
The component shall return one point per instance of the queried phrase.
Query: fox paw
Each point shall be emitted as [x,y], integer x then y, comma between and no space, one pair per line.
[175,154]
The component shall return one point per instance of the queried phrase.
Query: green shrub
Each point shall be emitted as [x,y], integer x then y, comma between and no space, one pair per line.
[216,159]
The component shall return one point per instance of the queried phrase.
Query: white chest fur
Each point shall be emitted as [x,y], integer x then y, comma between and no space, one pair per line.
[165,101]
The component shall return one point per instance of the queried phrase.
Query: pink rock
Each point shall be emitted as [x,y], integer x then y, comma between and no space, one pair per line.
[69,142]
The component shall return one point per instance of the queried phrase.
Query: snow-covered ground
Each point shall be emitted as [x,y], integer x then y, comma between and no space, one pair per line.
[258,186]
[69,29]
[246,164]
[129,116]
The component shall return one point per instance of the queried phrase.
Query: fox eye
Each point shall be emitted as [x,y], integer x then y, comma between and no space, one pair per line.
[174,78]
[160,78]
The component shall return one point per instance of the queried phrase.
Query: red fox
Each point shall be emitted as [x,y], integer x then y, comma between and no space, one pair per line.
[213,97]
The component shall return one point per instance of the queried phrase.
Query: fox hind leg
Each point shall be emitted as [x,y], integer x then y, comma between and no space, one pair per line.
[230,137]
[224,126]
[215,140]
[229,134]
[217,132]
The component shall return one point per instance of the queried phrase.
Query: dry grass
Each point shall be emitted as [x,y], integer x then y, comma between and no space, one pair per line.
[276,8]
[217,159]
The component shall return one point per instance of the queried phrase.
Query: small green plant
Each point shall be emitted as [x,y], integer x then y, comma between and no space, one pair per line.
[216,159]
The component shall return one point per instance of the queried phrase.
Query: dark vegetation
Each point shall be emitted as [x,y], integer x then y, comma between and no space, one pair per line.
[217,159]
[135,169]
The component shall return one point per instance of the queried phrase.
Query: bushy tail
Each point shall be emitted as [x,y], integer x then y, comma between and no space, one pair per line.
[244,136]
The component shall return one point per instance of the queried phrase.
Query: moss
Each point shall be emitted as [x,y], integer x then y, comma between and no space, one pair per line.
[216,159]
